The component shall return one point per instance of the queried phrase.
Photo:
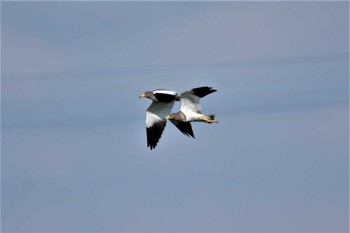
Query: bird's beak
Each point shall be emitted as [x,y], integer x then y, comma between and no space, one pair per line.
[142,95]
[167,117]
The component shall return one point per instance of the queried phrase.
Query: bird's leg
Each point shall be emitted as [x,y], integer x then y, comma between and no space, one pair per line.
[212,121]
[206,120]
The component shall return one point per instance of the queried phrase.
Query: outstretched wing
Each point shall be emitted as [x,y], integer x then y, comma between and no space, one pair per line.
[164,95]
[184,127]
[155,122]
[190,98]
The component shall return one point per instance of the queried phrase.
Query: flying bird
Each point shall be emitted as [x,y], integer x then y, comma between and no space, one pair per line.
[162,102]
[159,111]
[190,110]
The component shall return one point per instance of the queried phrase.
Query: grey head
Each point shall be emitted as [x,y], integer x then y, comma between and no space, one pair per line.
[179,116]
[148,94]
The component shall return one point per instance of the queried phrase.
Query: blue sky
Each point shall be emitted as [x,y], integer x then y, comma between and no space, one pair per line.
[73,149]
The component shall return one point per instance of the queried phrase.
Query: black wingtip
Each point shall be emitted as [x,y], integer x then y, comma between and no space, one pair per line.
[189,135]
[184,127]
[203,91]
[154,133]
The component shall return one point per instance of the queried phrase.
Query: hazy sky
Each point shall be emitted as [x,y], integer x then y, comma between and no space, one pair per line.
[73,142]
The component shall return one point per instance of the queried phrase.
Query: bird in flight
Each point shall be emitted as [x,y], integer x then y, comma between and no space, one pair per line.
[190,110]
[159,111]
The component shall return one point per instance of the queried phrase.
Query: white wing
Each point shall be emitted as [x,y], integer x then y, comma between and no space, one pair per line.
[190,99]
[156,122]
[157,111]
[189,102]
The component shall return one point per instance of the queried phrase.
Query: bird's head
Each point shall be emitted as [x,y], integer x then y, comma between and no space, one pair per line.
[146,94]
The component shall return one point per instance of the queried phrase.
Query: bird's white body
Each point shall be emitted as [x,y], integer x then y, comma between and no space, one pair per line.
[191,116]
